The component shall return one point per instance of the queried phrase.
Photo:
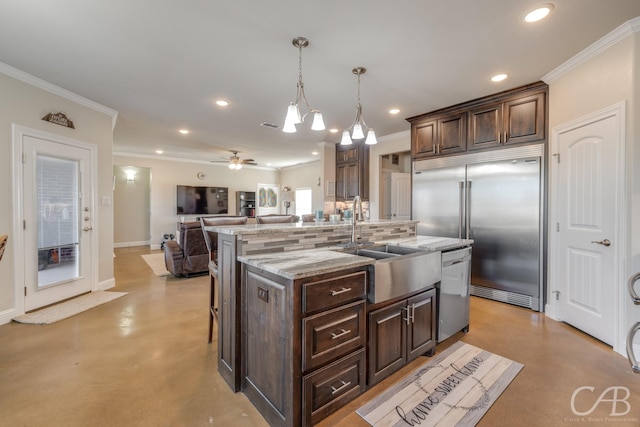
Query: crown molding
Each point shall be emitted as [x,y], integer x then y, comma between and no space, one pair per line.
[162,158]
[57,90]
[623,31]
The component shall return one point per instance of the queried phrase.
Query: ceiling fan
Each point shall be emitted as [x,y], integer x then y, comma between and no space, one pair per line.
[235,162]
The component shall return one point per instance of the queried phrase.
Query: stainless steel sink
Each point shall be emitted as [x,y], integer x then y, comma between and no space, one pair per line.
[399,270]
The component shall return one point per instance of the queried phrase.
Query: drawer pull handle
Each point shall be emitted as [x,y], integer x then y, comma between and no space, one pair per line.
[341,291]
[340,334]
[339,389]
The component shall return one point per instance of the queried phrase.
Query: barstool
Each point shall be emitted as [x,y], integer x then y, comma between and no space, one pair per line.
[211,239]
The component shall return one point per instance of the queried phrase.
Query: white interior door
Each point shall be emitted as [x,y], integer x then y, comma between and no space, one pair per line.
[58,217]
[587,258]
[401,196]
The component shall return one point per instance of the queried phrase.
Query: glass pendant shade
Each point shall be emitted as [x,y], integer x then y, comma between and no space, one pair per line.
[232,166]
[293,114]
[371,138]
[357,132]
[289,127]
[238,166]
[346,139]
[318,123]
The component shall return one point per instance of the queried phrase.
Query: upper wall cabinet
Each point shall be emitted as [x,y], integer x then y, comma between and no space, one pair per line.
[352,171]
[516,116]
[440,135]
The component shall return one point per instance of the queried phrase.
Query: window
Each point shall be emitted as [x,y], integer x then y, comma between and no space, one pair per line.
[303,201]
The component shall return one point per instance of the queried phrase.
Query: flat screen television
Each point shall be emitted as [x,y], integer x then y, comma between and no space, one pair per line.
[191,200]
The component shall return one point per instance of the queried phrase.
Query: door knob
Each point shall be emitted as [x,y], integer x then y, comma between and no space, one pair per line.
[88,228]
[605,242]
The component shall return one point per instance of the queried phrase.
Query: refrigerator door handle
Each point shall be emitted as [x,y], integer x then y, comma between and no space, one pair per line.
[461,213]
[468,212]
[632,280]
[635,367]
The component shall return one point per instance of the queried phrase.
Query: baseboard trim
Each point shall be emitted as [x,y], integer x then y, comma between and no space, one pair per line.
[154,246]
[130,244]
[8,315]
[107,284]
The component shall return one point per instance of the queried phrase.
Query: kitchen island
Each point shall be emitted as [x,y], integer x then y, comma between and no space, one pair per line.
[297,333]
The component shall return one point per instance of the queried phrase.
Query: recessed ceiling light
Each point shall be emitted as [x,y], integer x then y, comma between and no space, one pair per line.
[499,77]
[221,103]
[538,13]
[394,111]
[333,130]
[315,153]
[184,131]
[159,151]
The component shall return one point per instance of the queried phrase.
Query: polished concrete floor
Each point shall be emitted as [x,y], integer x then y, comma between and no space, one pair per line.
[143,360]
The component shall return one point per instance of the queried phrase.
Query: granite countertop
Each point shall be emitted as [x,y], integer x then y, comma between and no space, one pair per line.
[430,243]
[270,228]
[305,263]
[310,262]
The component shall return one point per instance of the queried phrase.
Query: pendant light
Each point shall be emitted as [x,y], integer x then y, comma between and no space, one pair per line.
[358,127]
[293,112]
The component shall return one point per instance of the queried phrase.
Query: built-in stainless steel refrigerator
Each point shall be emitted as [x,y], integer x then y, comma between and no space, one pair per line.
[497,199]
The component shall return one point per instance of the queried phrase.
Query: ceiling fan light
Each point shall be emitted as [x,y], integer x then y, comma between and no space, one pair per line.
[232,166]
[357,132]
[371,138]
[238,166]
[318,122]
[346,139]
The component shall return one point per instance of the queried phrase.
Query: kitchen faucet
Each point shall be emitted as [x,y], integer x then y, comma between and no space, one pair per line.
[357,216]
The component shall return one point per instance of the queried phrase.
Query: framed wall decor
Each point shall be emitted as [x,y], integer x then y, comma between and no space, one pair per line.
[267,199]
[331,188]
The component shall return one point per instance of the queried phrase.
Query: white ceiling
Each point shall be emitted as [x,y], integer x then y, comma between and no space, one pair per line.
[162,63]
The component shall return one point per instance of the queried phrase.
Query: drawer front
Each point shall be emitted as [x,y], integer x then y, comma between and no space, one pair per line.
[333,292]
[332,334]
[332,387]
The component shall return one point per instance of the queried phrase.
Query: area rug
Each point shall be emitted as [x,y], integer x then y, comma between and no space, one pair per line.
[454,388]
[156,263]
[68,308]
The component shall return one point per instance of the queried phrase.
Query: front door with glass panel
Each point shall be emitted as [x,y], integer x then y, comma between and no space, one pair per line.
[58,217]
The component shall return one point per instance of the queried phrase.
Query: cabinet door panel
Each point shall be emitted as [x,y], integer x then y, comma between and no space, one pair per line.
[485,126]
[421,331]
[267,340]
[424,139]
[341,181]
[525,119]
[387,341]
[452,134]
[353,180]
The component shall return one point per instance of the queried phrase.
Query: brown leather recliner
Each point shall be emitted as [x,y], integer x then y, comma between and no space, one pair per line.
[190,254]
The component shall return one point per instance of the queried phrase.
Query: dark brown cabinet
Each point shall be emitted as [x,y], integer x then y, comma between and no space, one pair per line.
[303,343]
[440,135]
[229,315]
[515,120]
[399,333]
[517,116]
[352,171]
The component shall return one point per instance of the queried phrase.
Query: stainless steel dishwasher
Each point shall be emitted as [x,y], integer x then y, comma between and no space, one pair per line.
[453,293]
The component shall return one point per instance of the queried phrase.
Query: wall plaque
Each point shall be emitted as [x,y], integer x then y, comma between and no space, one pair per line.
[59,119]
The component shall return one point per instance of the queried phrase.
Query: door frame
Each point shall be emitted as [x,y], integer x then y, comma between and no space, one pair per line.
[618,111]
[19,132]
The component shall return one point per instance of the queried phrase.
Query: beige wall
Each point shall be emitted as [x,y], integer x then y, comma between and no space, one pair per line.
[608,78]
[25,104]
[131,206]
[166,174]
[304,176]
